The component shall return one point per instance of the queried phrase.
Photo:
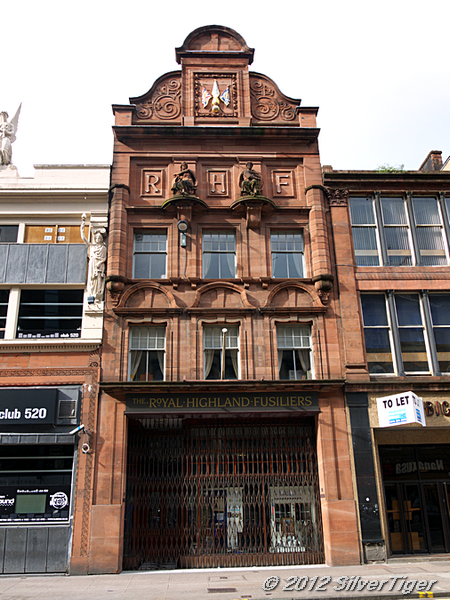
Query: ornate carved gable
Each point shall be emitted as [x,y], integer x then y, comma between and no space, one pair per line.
[162,102]
[269,104]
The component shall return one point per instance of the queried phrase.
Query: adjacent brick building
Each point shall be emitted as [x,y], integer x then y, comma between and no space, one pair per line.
[391,231]
[222,436]
[50,335]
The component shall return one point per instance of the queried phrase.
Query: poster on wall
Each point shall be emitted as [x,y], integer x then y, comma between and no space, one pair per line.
[399,409]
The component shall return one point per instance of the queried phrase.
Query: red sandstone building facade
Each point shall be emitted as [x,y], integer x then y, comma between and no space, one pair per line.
[222,436]
[391,232]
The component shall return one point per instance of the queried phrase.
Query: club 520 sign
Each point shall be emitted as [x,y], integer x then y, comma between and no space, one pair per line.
[27,406]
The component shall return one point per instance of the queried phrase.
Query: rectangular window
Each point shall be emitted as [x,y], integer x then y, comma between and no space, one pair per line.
[294,351]
[8,233]
[440,318]
[147,353]
[398,339]
[4,300]
[429,232]
[377,334]
[219,255]
[411,333]
[364,230]
[396,231]
[150,255]
[50,314]
[399,231]
[31,478]
[287,254]
[215,340]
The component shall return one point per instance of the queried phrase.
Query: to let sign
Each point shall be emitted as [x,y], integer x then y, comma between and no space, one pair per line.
[400,409]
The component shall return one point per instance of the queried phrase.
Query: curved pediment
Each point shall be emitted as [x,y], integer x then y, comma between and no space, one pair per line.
[293,295]
[212,39]
[147,295]
[162,102]
[221,296]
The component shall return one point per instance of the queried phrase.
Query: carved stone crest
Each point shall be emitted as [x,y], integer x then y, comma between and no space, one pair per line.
[215,94]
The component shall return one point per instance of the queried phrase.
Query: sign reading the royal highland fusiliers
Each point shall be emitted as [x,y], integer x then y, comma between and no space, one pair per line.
[157,403]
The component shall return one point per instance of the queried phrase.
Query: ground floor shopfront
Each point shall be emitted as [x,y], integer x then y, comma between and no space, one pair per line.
[410,476]
[217,477]
[38,459]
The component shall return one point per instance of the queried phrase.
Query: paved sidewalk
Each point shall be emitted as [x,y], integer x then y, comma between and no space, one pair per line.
[317,581]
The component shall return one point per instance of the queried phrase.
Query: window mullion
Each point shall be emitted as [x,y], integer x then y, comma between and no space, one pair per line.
[412,227]
[380,227]
[429,333]
[445,220]
[392,313]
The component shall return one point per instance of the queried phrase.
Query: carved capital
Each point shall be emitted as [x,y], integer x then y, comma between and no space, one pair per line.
[337,197]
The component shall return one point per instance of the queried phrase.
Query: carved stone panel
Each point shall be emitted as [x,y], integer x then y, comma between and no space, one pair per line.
[215,95]
[268,103]
[217,181]
[283,183]
[152,182]
[162,102]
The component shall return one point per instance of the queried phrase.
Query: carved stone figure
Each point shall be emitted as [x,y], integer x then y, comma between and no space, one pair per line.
[97,264]
[250,181]
[7,136]
[184,182]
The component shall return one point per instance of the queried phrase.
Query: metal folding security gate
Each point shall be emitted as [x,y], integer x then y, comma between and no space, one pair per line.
[222,492]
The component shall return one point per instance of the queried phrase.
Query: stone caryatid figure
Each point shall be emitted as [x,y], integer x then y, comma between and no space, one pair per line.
[97,264]
[7,136]
[184,182]
[250,181]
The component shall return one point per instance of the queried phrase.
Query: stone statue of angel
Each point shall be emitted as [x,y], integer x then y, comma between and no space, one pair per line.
[97,263]
[7,135]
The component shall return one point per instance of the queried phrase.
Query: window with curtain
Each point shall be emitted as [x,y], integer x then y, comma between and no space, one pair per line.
[219,255]
[147,353]
[294,351]
[400,231]
[287,254]
[150,255]
[214,342]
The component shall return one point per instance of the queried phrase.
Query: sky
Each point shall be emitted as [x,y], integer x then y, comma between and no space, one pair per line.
[378,71]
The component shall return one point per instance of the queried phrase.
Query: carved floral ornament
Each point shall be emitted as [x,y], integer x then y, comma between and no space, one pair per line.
[337,197]
[164,104]
[267,104]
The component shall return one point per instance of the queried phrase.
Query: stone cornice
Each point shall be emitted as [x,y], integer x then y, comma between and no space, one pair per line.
[281,134]
[30,345]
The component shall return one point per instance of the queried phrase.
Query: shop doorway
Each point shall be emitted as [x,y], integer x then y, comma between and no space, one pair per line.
[417,506]
[222,492]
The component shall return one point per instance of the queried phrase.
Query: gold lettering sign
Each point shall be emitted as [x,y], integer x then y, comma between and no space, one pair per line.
[147,403]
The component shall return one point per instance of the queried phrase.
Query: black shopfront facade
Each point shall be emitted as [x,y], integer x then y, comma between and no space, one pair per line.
[38,454]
